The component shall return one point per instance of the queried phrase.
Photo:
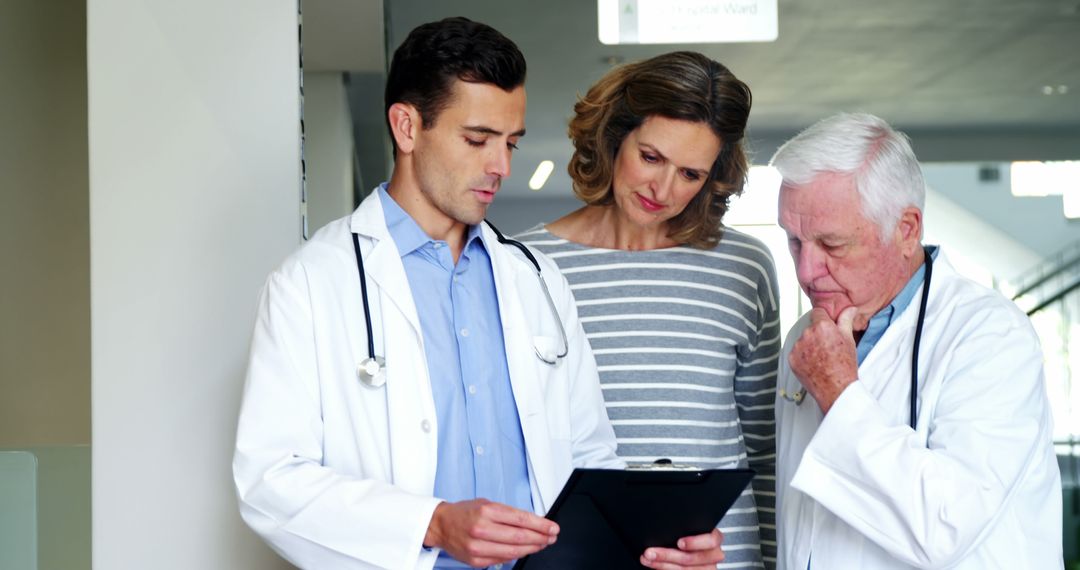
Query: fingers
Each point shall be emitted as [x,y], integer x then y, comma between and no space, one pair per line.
[504,524]
[508,515]
[672,559]
[705,541]
[482,553]
[817,315]
[846,320]
[698,551]
[481,533]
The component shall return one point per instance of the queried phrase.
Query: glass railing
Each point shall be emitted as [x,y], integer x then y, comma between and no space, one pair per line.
[45,508]
[18,510]
[1050,294]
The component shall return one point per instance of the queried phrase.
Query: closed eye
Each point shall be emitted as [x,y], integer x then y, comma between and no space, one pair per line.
[691,175]
[835,249]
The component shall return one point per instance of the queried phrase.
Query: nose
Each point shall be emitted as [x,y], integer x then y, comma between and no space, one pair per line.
[663,183]
[499,163]
[809,263]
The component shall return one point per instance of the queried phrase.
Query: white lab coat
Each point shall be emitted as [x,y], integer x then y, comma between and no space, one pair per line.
[975,486]
[336,474]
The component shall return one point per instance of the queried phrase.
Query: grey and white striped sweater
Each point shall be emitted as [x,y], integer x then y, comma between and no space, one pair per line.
[686,342]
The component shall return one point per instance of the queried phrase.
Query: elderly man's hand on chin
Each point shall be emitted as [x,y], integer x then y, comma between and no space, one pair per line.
[700,552]
[823,358]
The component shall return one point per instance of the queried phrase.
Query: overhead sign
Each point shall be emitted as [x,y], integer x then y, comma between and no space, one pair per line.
[686,21]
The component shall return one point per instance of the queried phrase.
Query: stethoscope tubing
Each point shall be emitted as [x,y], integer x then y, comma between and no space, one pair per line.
[364,294]
[918,334]
[368,377]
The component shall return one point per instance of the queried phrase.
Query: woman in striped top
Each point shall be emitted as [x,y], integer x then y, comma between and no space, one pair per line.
[680,311]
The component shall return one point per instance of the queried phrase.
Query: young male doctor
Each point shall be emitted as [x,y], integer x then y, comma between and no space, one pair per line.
[411,401]
[949,465]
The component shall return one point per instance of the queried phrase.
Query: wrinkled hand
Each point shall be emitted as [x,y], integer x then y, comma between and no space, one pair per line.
[699,552]
[823,358]
[482,533]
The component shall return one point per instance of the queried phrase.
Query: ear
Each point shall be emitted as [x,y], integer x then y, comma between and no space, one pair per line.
[404,125]
[909,230]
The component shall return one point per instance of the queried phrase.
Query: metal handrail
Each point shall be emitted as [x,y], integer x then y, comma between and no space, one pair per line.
[1048,276]
[1055,297]
[1047,269]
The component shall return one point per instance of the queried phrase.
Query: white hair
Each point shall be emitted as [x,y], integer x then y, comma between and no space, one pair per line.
[886,173]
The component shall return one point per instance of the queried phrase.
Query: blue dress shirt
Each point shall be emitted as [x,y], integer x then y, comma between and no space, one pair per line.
[481,450]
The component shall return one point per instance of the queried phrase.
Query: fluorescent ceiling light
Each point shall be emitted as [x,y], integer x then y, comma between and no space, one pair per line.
[686,21]
[543,170]
[1071,200]
[1061,178]
[1044,178]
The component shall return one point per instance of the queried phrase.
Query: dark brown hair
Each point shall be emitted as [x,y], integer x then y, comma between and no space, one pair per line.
[680,85]
[425,65]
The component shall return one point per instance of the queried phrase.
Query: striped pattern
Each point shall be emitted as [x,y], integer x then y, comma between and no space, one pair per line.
[686,342]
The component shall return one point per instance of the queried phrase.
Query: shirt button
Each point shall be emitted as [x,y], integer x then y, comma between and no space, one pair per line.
[464,332]
[426,426]
[472,388]
[479,450]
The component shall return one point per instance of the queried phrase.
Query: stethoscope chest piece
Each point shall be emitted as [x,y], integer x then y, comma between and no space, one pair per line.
[372,371]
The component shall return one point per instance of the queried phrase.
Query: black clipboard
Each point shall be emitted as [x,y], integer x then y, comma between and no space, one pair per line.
[608,517]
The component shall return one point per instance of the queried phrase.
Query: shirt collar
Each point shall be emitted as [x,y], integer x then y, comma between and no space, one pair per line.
[885,317]
[406,233]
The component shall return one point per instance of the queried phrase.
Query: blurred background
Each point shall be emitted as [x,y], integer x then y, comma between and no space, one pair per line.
[159,158]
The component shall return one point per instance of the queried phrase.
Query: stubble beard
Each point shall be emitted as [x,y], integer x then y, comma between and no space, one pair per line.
[446,194]
[457,205]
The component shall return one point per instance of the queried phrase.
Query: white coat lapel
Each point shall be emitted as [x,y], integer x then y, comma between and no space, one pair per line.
[382,262]
[412,424]
[513,278]
[516,282]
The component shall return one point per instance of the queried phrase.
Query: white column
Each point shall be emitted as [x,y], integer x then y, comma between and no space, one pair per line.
[194,197]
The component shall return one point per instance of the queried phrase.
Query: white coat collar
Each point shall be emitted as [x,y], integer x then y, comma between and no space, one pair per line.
[382,261]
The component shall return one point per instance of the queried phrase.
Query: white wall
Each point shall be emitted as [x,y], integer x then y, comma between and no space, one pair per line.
[515,214]
[194,193]
[328,152]
[975,248]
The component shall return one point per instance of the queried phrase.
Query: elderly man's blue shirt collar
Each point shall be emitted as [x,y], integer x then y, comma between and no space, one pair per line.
[880,322]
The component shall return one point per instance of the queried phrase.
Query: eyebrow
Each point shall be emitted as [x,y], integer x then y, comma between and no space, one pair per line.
[702,172]
[490,131]
[819,237]
[830,236]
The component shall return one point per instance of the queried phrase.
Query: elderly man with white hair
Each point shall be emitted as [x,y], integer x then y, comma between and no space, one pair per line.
[913,427]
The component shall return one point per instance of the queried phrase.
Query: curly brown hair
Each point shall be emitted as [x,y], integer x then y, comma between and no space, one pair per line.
[681,85]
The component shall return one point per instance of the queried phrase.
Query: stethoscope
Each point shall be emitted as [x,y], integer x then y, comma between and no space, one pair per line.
[800,395]
[372,370]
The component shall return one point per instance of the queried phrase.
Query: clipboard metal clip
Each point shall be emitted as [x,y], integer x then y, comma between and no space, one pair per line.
[662,464]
